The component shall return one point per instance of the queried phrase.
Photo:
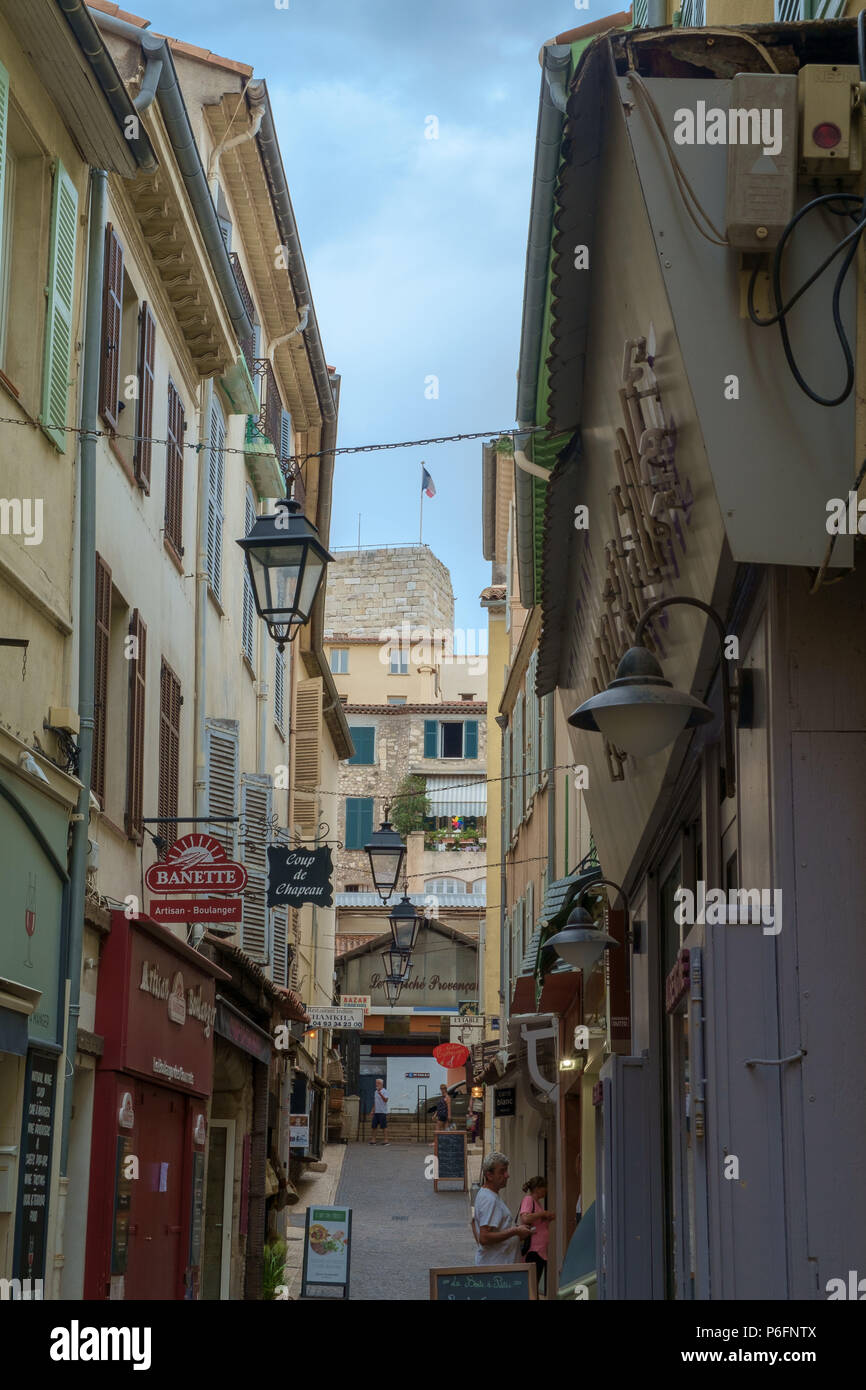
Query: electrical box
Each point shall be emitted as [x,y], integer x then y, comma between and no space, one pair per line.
[59,717]
[761,130]
[831,145]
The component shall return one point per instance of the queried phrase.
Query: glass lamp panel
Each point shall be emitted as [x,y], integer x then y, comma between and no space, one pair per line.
[385,865]
[642,729]
[312,577]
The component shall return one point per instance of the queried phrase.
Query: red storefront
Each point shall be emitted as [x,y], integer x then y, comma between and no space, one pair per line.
[155,1010]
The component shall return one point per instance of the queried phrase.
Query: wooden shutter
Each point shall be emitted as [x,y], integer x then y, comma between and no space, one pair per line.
[174,470]
[431,738]
[470,738]
[112,312]
[100,675]
[359,821]
[248,623]
[285,435]
[364,739]
[529,922]
[256,803]
[216,464]
[308,751]
[506,784]
[517,765]
[4,122]
[144,419]
[280,929]
[169,749]
[61,293]
[222,780]
[135,736]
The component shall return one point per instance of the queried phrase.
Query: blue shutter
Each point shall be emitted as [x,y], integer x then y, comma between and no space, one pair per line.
[364,739]
[359,821]
[431,738]
[366,818]
[470,739]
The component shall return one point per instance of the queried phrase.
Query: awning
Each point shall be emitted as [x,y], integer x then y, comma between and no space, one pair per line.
[578,1267]
[448,797]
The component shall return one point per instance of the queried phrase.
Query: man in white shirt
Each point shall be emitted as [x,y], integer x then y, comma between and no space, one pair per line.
[499,1240]
[380,1111]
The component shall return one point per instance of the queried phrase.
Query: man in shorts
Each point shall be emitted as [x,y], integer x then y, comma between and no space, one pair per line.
[380,1111]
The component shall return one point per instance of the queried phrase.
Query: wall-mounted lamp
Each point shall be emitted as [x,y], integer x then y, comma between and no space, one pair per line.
[641,712]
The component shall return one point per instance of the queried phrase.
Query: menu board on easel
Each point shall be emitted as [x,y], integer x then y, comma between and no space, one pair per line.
[484,1284]
[450,1151]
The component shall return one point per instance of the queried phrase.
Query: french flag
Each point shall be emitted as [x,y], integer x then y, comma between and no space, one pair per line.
[427,486]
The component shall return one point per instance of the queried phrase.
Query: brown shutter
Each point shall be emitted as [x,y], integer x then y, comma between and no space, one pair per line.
[308,755]
[169,749]
[135,744]
[112,308]
[174,471]
[100,675]
[144,425]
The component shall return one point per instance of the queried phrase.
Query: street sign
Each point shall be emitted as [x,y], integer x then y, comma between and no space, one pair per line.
[197,910]
[331,1017]
[196,863]
[298,876]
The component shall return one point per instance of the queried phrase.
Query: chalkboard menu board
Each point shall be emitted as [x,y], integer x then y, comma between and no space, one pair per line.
[35,1167]
[484,1284]
[450,1149]
[504,1101]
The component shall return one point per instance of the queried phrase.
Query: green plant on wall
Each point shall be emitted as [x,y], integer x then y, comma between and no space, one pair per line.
[410,805]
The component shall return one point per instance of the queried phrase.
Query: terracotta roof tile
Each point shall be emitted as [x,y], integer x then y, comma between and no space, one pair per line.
[189,50]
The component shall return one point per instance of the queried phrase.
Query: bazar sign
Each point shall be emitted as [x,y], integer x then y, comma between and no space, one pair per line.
[328,1017]
[199,863]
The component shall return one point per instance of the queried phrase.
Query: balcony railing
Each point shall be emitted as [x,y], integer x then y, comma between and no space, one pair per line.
[270,421]
[248,345]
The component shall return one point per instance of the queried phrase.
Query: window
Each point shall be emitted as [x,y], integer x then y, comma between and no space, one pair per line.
[468,696]
[364,739]
[174,471]
[352,888]
[340,661]
[280,690]
[170,701]
[480,885]
[396,699]
[215,496]
[248,622]
[399,662]
[451,738]
[135,727]
[359,821]
[443,886]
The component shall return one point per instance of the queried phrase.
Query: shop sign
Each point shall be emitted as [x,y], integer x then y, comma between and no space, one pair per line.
[467,1029]
[327,1246]
[356,1001]
[196,863]
[504,1101]
[35,1166]
[334,1017]
[677,983]
[126,1114]
[198,910]
[298,876]
[241,1033]
[299,1131]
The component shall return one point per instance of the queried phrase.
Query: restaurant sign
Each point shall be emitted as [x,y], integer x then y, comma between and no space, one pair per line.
[196,863]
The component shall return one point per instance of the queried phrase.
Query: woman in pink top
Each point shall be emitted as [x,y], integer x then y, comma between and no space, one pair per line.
[532,1213]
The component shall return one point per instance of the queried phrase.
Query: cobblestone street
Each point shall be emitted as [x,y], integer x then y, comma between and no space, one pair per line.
[401,1228]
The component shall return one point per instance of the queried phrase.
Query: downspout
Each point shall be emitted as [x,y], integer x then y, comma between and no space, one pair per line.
[262,695]
[257,111]
[86,628]
[82,23]
[201,609]
[300,327]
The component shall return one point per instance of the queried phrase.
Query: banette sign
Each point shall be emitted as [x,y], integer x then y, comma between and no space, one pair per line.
[196,863]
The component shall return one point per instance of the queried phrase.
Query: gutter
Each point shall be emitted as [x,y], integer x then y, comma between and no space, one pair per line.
[156,51]
[83,27]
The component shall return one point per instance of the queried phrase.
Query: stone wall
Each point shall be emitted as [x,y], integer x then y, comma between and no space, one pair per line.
[371,591]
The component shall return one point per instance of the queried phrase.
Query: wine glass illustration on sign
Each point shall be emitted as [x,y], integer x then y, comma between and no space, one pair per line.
[30,915]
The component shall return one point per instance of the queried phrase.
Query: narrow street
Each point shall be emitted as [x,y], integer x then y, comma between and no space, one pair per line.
[401,1228]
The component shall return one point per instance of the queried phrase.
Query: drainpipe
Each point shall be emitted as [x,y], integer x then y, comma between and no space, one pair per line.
[86,628]
[300,327]
[149,83]
[82,23]
[257,113]
[262,694]
[200,775]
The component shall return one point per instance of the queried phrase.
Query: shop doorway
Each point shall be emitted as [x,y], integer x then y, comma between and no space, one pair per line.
[216,1260]
[154,1267]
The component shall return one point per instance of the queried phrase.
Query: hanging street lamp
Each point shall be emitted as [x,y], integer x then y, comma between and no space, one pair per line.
[641,712]
[397,964]
[386,852]
[286,562]
[405,924]
[392,990]
[580,943]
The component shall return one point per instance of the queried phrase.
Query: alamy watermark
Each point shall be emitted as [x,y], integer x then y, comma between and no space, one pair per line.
[736,126]
[737,906]
[438,646]
[22,516]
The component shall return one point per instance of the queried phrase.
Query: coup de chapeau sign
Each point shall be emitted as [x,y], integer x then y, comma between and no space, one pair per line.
[298,876]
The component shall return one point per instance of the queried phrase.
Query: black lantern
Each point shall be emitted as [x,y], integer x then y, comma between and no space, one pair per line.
[392,990]
[397,964]
[286,563]
[405,925]
[386,851]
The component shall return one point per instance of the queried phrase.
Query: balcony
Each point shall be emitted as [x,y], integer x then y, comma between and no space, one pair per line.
[248,345]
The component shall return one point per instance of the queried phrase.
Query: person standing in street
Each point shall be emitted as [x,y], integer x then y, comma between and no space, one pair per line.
[380,1112]
[532,1213]
[443,1108]
[498,1239]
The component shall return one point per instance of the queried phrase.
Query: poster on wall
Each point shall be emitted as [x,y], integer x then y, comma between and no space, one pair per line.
[299,1131]
[327,1245]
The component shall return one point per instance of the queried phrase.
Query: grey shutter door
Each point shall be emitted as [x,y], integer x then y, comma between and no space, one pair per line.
[61,294]
[216,464]
[248,625]
[431,738]
[470,738]
[256,801]
[221,740]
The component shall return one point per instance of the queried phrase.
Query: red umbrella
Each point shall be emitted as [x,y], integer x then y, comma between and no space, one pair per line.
[451,1054]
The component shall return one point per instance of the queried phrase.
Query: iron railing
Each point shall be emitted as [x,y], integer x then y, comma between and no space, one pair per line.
[248,345]
[270,421]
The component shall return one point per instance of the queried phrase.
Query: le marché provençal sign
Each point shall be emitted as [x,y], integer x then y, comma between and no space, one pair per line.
[377,981]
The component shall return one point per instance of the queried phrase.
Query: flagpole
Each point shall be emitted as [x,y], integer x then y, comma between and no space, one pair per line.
[421,514]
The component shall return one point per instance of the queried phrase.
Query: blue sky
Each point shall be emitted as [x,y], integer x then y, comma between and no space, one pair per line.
[415,247]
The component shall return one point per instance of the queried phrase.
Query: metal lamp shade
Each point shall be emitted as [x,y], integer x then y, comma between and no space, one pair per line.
[580,943]
[385,851]
[405,925]
[397,964]
[286,562]
[640,711]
